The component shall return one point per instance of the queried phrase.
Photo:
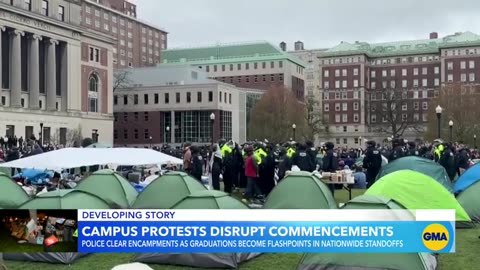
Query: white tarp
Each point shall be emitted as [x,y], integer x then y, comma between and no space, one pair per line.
[77,157]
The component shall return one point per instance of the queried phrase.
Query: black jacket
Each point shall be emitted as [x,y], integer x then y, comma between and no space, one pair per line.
[330,161]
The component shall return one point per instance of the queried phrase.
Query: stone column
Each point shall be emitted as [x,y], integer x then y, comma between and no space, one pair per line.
[34,72]
[172,128]
[2,28]
[16,68]
[51,75]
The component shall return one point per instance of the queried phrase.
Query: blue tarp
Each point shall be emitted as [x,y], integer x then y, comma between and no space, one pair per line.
[468,178]
[34,175]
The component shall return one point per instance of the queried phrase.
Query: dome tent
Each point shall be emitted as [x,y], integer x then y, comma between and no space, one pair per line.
[469,199]
[65,199]
[415,190]
[11,194]
[372,202]
[367,261]
[421,165]
[46,257]
[109,186]
[300,190]
[468,178]
[207,199]
[167,190]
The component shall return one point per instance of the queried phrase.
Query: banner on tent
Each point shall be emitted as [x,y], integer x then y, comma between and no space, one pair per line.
[266,231]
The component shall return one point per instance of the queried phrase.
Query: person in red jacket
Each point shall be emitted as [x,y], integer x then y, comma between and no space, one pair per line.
[251,172]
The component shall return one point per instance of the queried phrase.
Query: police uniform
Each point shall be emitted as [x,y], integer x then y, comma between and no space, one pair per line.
[229,167]
[372,162]
[303,161]
[312,153]
[447,160]
[330,163]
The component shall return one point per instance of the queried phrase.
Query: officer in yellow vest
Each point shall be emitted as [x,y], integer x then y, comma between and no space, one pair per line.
[259,153]
[439,151]
[75,234]
[291,150]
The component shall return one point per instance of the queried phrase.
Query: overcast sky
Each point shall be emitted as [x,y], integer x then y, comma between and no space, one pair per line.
[318,23]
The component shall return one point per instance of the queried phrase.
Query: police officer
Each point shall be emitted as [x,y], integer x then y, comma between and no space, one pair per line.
[312,153]
[228,165]
[372,162]
[302,159]
[291,149]
[283,163]
[412,149]
[447,160]
[397,151]
[330,162]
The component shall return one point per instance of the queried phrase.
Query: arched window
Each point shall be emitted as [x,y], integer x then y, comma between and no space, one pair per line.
[93,93]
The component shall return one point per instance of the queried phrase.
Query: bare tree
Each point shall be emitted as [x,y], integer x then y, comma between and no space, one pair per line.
[395,120]
[274,114]
[316,122]
[74,137]
[121,79]
[460,103]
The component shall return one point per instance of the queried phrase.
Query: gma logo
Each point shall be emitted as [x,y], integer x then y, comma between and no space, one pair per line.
[435,237]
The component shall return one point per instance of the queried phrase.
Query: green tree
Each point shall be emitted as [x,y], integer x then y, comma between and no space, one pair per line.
[316,122]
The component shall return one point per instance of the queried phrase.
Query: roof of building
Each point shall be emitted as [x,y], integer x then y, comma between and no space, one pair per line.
[164,75]
[228,53]
[408,47]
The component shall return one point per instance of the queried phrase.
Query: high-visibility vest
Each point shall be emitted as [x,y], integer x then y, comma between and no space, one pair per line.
[290,152]
[260,154]
[439,150]
[75,234]
[225,150]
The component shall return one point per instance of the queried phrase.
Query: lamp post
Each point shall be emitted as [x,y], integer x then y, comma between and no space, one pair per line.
[450,124]
[475,141]
[150,141]
[438,110]
[212,121]
[166,134]
[41,134]
[294,127]
[95,135]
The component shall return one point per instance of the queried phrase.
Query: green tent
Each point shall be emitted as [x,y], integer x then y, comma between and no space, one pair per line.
[372,202]
[167,190]
[209,199]
[416,190]
[367,261]
[11,194]
[66,199]
[300,190]
[469,199]
[109,186]
[418,164]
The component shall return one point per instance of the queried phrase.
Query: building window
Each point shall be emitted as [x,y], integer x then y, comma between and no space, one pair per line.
[210,96]
[392,73]
[424,71]
[337,107]
[463,65]
[87,9]
[199,97]
[125,100]
[425,106]
[355,83]
[344,118]
[450,77]
[28,5]
[93,93]
[45,7]
[166,98]
[449,65]
[125,134]
[337,118]
[355,117]
[87,20]
[471,64]
[272,64]
[355,106]
[463,77]
[94,54]
[384,73]
[145,99]
[404,72]
[344,72]
[404,117]
[135,134]
[326,107]
[373,85]
[355,71]
[155,98]
[189,97]
[146,134]
[325,84]
[135,99]
[247,65]
[177,97]
[471,77]
[344,107]
[373,118]
[404,107]
[424,82]
[145,116]
[326,73]
[373,73]
[61,13]
[415,71]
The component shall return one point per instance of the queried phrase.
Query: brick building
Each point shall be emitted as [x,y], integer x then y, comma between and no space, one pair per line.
[138,43]
[258,65]
[360,81]
[55,75]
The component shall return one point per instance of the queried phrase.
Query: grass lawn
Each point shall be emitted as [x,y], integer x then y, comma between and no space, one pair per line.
[466,257]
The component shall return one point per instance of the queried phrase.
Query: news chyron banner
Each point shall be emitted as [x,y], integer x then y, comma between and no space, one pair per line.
[266,231]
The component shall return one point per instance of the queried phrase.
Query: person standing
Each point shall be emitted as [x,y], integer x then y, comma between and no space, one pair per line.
[397,150]
[268,171]
[216,167]
[462,160]
[251,172]
[302,159]
[197,163]
[312,153]
[372,162]
[187,159]
[447,160]
[330,162]
[228,166]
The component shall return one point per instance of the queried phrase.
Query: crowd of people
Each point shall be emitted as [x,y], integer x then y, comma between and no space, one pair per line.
[259,166]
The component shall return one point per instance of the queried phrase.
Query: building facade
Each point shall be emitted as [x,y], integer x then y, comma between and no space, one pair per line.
[138,43]
[173,104]
[258,65]
[56,76]
[369,90]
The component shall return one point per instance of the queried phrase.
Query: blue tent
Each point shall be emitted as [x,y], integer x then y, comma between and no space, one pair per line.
[468,178]
[34,175]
